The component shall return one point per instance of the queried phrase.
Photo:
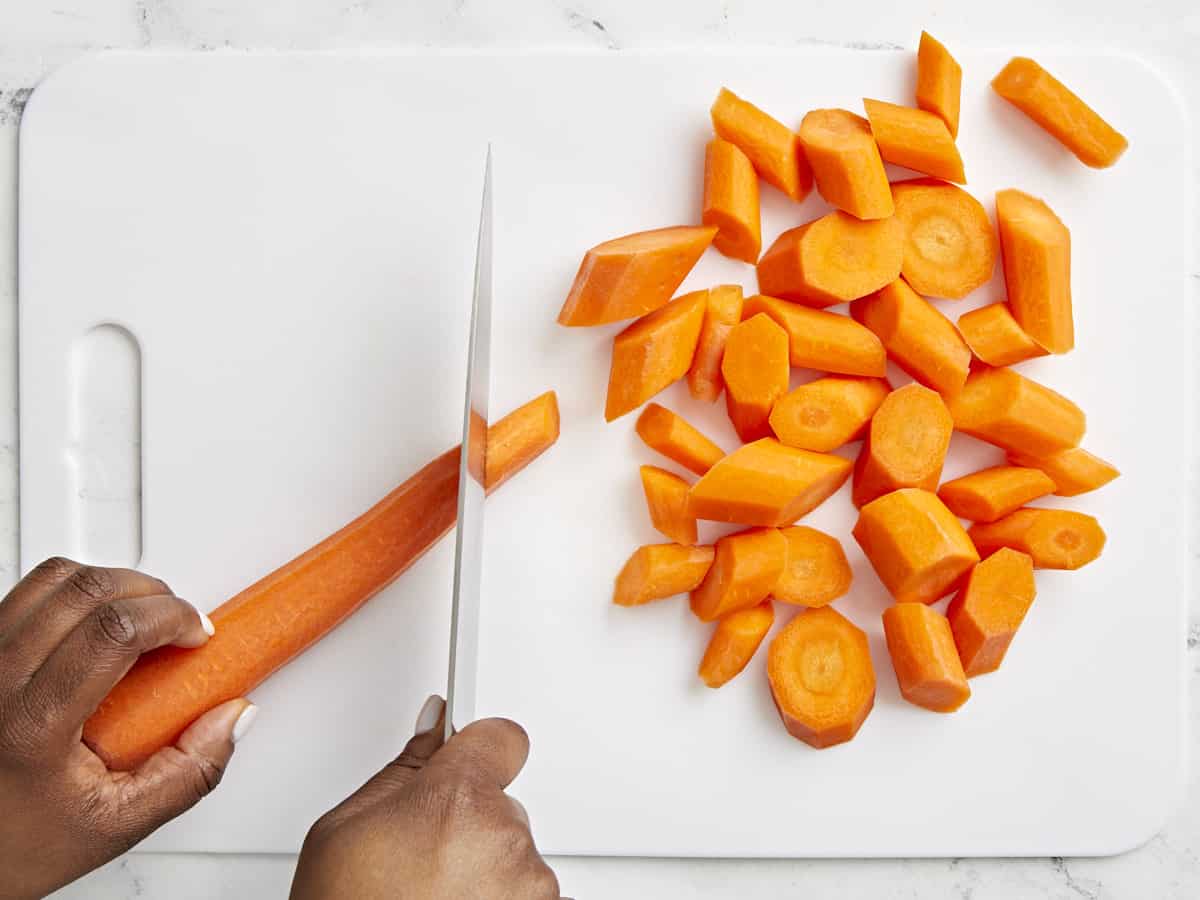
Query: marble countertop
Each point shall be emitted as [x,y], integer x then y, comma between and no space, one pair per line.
[38,35]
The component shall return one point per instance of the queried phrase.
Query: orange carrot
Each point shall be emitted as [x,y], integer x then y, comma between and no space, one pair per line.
[656,571]
[827,413]
[731,201]
[921,646]
[1054,538]
[905,446]
[846,163]
[675,438]
[991,494]
[915,139]
[653,352]
[949,245]
[1011,411]
[995,337]
[822,340]
[821,677]
[832,259]
[816,571]
[724,311]
[1073,471]
[278,617]
[734,643]
[633,275]
[989,609]
[939,81]
[667,501]
[772,147]
[1055,107]
[746,567]
[1036,246]
[756,374]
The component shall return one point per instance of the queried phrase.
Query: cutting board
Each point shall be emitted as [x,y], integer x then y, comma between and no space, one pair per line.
[244,288]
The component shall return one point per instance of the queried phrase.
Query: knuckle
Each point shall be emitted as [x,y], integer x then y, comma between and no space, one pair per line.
[93,582]
[116,625]
[545,882]
[200,775]
[52,570]
[459,800]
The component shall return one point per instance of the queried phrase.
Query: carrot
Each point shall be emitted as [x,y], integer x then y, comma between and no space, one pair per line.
[939,81]
[915,139]
[1036,246]
[667,500]
[731,201]
[816,571]
[278,617]
[1016,413]
[1054,538]
[734,642]
[828,412]
[821,677]
[949,245]
[675,438]
[724,311]
[633,275]
[921,646]
[985,615]
[656,571]
[905,446]
[991,494]
[772,147]
[995,337]
[832,259]
[766,483]
[846,163]
[1074,471]
[1055,107]
[756,374]
[746,567]
[653,352]
[822,340]
[916,545]
[922,341]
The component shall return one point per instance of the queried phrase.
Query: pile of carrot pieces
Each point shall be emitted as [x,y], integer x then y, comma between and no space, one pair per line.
[883,249]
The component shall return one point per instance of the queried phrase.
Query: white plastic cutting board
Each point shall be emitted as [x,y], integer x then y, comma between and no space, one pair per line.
[288,238]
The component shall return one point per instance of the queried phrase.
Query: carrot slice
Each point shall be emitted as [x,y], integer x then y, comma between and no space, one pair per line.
[656,571]
[915,139]
[278,617]
[746,567]
[731,201]
[827,413]
[822,340]
[772,147]
[939,81]
[995,337]
[734,643]
[1054,538]
[633,275]
[1058,109]
[724,311]
[667,500]
[926,662]
[1036,246]
[821,677]
[991,494]
[816,571]
[675,438]
[1074,471]
[949,245]
[1016,413]
[985,615]
[846,163]
[832,259]
[654,352]
[756,374]
[905,446]
[766,483]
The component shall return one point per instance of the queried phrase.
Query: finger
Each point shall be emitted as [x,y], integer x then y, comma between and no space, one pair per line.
[491,750]
[41,581]
[519,811]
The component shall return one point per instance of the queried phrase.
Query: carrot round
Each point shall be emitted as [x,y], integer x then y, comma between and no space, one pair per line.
[949,245]
[915,139]
[756,372]
[1036,247]
[734,642]
[657,571]
[746,567]
[667,500]
[1016,413]
[816,571]
[822,340]
[277,618]
[1074,471]
[906,444]
[991,494]
[772,147]
[731,201]
[821,676]
[926,662]
[677,439]
[939,81]
[824,414]
[995,337]
[846,164]
[985,615]
[1053,538]
[723,312]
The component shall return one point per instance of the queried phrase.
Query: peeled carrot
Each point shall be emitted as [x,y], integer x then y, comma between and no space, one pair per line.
[991,494]
[905,446]
[816,571]
[939,81]
[1016,413]
[823,415]
[766,483]
[822,340]
[724,311]
[1036,246]
[772,147]
[656,571]
[746,567]
[731,201]
[1055,107]
[1074,471]
[278,617]
[832,259]
[995,337]
[846,163]
[633,275]
[734,643]
[922,341]
[985,615]
[926,662]
[1054,538]
[756,374]
[821,677]
[675,438]
[653,352]
[667,500]
[949,245]
[915,139]
[916,545]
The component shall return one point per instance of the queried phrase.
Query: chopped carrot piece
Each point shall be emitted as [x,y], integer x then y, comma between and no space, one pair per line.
[734,642]
[995,337]
[772,147]
[667,500]
[816,571]
[926,662]
[823,340]
[1016,413]
[991,494]
[656,571]
[985,615]
[846,163]
[915,139]
[653,352]
[519,438]
[1054,538]
[746,567]
[677,439]
[949,245]
[731,201]
[724,311]
[939,81]
[824,414]
[1036,246]
[906,444]
[1074,471]
[756,374]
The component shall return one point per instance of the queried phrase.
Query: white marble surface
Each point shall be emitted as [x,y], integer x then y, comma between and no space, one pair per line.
[37,35]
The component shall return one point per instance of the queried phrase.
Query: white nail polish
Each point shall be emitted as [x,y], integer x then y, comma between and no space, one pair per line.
[244,721]
[429,715]
[206,623]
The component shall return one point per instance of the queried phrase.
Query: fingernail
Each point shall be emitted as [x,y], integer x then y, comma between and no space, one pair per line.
[206,623]
[244,721]
[429,715]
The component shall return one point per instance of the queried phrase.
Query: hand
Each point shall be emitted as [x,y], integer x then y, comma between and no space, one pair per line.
[67,634]
[435,822]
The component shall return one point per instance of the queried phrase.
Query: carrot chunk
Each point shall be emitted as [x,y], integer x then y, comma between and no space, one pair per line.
[991,494]
[677,439]
[995,337]
[949,245]
[985,615]
[723,312]
[939,81]
[827,413]
[816,571]
[1074,471]
[656,571]
[772,147]
[822,340]
[734,642]
[1016,413]
[653,352]
[915,139]
[846,163]
[731,201]
[906,444]
[926,662]
[1036,246]
[667,500]
[756,374]
[1054,538]
[746,567]
[519,438]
